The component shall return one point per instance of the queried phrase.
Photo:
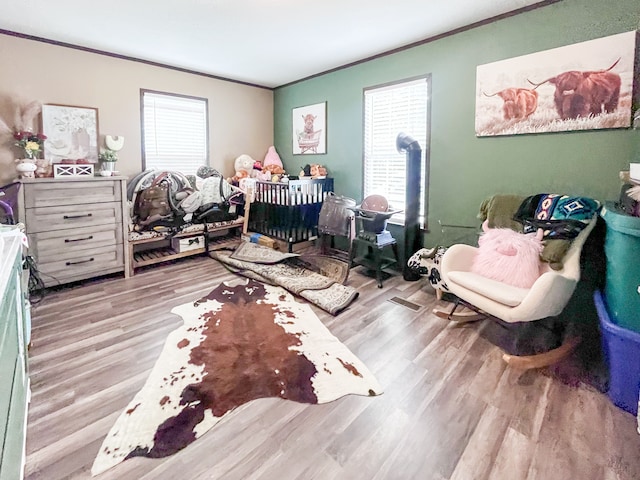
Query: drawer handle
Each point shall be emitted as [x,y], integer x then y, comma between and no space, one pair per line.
[81,261]
[67,217]
[68,240]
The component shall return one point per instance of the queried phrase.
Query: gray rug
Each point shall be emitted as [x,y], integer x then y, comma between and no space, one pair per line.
[317,281]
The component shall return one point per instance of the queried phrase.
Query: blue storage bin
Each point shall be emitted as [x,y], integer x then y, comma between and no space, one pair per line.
[621,349]
[622,248]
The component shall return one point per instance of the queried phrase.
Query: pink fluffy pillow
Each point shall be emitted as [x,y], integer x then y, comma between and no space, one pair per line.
[508,256]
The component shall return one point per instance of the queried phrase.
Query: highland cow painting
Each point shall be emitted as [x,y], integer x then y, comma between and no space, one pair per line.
[583,86]
[310,129]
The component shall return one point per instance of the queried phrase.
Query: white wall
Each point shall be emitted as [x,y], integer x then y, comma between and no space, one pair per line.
[240,116]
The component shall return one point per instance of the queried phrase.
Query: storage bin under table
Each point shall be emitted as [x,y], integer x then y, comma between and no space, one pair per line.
[188,244]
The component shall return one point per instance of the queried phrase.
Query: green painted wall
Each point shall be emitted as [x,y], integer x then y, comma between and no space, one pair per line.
[466,169]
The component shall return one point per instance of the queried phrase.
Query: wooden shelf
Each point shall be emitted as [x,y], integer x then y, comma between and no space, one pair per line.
[149,257]
[150,251]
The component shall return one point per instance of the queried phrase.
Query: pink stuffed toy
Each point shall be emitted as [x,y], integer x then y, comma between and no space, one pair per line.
[508,256]
[272,158]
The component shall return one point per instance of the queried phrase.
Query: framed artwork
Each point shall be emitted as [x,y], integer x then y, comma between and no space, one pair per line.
[310,129]
[584,86]
[72,133]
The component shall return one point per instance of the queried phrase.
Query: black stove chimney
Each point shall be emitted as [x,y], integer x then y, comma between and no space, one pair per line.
[412,241]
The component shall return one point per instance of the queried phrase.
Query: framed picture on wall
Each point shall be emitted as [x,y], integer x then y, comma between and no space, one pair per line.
[72,134]
[583,86]
[309,129]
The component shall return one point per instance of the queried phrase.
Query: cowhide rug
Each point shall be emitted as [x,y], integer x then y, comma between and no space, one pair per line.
[237,344]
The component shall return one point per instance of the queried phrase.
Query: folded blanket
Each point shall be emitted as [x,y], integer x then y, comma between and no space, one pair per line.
[499,211]
[516,211]
[560,216]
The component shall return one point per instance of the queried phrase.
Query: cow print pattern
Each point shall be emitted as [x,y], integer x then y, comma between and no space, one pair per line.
[237,344]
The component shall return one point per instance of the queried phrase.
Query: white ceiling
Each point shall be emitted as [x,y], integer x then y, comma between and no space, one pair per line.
[263,42]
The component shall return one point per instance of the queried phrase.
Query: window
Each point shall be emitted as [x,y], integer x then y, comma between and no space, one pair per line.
[174,132]
[389,110]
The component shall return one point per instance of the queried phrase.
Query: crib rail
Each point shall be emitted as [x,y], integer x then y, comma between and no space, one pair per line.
[296,192]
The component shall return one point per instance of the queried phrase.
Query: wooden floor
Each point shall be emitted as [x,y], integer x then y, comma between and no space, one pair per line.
[451,408]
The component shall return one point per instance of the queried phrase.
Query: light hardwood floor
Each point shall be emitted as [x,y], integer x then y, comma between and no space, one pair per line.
[451,410]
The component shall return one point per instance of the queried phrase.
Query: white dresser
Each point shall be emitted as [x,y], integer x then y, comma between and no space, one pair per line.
[76,226]
[14,379]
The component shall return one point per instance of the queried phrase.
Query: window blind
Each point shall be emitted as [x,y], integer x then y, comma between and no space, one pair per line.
[175,132]
[389,110]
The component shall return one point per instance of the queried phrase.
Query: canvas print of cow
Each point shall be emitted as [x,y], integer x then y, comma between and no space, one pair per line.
[310,129]
[583,86]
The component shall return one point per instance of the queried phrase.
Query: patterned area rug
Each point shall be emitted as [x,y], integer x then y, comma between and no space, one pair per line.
[237,344]
[317,280]
[330,267]
[252,252]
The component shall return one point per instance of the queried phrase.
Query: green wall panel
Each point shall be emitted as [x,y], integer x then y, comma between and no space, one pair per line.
[466,169]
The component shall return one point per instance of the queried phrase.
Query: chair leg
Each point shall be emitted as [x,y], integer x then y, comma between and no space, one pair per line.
[461,316]
[527,362]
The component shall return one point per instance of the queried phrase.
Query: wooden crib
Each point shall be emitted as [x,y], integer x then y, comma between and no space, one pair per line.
[289,211]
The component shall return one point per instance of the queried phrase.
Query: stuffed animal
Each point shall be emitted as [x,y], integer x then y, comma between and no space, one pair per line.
[508,256]
[306,171]
[26,167]
[318,170]
[263,176]
[243,166]
[244,163]
[273,169]
[272,158]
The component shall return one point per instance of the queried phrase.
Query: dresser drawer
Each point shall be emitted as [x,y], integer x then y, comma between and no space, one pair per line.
[71,266]
[71,193]
[46,219]
[54,242]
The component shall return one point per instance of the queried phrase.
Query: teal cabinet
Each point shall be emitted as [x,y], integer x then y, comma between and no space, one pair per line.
[14,380]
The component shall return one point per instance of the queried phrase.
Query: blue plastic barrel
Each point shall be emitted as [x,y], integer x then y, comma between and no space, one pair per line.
[622,249]
[621,348]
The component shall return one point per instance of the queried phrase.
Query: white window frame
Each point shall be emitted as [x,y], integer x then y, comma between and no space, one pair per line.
[175,131]
[384,168]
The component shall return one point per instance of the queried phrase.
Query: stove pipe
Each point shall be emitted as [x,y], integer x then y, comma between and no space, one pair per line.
[412,241]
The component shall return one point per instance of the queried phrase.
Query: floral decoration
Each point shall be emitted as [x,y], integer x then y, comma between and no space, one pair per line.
[108,155]
[30,143]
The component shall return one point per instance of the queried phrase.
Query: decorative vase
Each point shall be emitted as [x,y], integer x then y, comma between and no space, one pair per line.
[108,166]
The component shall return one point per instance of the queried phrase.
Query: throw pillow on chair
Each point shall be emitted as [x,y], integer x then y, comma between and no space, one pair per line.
[508,256]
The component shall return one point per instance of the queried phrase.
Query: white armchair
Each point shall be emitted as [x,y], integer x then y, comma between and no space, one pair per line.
[547,297]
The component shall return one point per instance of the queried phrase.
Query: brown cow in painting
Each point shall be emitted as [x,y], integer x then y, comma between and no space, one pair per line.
[519,103]
[580,94]
[308,124]
[598,92]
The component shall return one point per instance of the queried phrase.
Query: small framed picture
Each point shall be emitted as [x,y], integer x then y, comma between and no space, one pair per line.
[72,134]
[309,129]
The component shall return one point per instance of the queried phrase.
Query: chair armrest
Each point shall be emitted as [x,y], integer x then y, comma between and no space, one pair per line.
[547,297]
